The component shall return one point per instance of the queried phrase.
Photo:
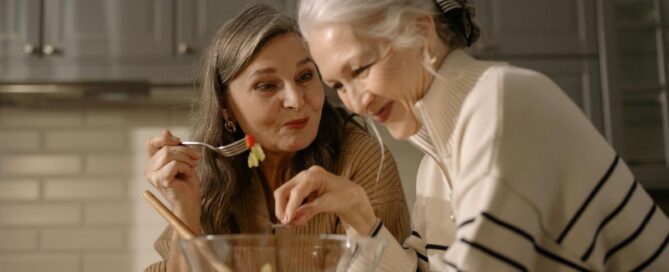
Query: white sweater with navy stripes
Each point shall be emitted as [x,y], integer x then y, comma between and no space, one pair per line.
[531,183]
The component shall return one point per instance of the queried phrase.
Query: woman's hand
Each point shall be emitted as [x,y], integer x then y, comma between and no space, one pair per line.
[171,170]
[315,191]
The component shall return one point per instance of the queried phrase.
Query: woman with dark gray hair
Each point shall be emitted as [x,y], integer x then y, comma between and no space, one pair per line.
[528,182]
[258,79]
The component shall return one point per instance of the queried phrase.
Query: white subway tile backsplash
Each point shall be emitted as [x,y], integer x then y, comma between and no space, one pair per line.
[39,214]
[108,214]
[39,165]
[90,188]
[19,190]
[82,239]
[19,140]
[84,140]
[109,262]
[104,118]
[36,118]
[68,196]
[118,164]
[146,117]
[31,262]
[17,240]
[180,117]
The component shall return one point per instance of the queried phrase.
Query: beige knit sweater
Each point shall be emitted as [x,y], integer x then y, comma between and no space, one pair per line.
[530,182]
[359,162]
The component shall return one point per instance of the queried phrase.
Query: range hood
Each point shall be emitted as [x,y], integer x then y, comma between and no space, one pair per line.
[93,93]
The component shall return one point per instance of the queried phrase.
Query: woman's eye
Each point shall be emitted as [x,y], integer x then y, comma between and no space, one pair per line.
[362,69]
[337,87]
[265,86]
[306,76]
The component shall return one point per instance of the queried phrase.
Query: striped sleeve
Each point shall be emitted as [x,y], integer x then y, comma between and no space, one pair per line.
[395,257]
[616,227]
[361,157]
[504,233]
[539,189]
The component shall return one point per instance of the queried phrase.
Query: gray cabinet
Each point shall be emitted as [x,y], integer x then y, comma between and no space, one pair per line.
[537,27]
[19,29]
[198,20]
[107,31]
[637,47]
[74,40]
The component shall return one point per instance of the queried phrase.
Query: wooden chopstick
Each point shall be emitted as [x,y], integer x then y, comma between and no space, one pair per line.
[184,230]
[179,225]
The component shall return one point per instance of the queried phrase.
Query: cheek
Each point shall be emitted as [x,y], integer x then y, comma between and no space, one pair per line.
[384,83]
[348,103]
[314,96]
[254,119]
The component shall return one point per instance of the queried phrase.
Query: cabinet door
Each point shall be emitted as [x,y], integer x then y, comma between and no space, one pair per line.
[198,21]
[108,30]
[19,29]
[537,27]
[641,39]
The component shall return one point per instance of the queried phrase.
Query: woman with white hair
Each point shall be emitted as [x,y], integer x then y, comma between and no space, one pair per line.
[529,183]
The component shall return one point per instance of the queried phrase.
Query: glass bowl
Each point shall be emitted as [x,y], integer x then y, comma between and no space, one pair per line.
[270,253]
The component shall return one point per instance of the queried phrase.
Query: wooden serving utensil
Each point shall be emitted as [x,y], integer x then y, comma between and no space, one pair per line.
[183,230]
[179,225]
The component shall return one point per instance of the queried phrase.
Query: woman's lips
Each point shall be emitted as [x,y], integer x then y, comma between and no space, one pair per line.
[384,113]
[297,123]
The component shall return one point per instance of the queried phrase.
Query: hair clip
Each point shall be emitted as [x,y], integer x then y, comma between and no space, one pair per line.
[447,5]
[453,10]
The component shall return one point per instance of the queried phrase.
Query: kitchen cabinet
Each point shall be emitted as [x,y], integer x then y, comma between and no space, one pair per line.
[636,47]
[198,20]
[19,30]
[537,28]
[103,30]
[73,40]
[86,30]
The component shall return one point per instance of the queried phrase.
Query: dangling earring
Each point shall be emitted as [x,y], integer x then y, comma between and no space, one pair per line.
[229,124]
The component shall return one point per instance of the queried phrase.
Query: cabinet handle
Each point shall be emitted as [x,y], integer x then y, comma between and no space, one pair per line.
[29,49]
[49,50]
[184,49]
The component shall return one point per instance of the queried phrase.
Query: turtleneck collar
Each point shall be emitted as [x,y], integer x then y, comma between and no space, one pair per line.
[439,108]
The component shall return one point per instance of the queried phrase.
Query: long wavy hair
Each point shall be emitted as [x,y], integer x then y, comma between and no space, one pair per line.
[233,48]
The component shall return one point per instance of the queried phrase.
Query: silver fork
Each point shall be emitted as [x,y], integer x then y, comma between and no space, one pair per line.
[230,150]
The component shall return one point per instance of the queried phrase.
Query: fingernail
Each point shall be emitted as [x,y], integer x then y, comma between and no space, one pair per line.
[174,138]
[285,219]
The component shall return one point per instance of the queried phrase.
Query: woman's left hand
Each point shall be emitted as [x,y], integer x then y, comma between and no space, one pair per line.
[315,191]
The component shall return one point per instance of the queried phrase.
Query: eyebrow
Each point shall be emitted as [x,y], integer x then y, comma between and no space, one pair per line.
[305,61]
[271,70]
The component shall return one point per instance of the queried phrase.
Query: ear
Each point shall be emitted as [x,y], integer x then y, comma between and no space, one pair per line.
[426,26]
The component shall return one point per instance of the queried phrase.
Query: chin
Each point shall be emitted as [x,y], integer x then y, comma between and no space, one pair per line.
[401,132]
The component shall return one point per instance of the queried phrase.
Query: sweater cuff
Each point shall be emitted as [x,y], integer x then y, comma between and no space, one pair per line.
[395,258]
[375,230]
[377,227]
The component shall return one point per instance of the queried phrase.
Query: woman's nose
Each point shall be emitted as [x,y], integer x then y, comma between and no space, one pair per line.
[293,97]
[360,99]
